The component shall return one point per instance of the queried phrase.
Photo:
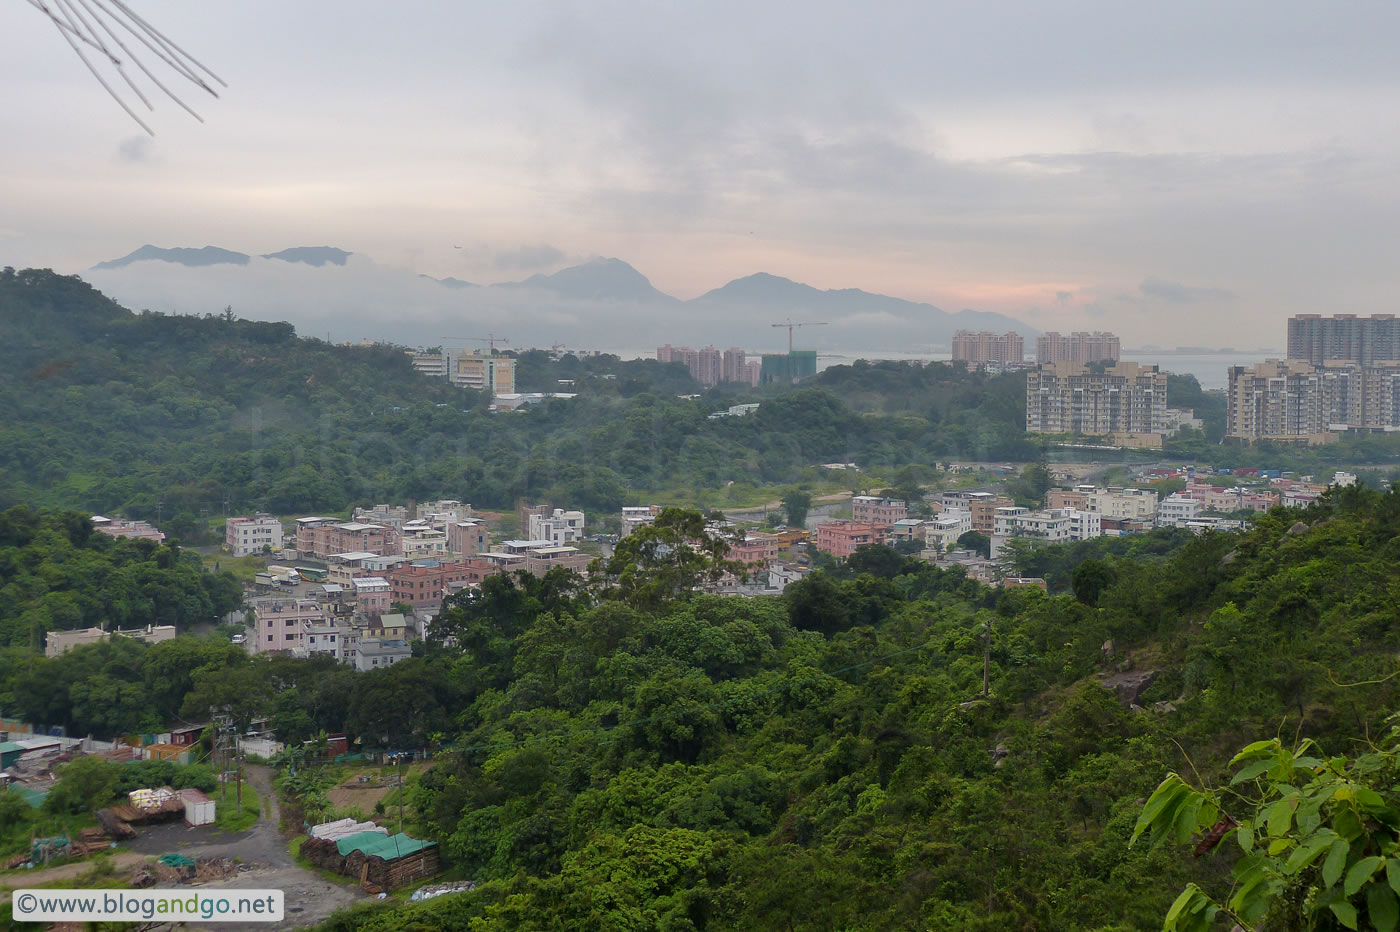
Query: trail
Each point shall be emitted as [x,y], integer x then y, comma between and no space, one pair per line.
[44,875]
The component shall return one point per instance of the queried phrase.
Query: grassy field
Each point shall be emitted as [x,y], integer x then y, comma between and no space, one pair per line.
[230,817]
[243,568]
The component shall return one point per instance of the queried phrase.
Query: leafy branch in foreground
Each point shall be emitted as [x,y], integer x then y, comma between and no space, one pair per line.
[1321,845]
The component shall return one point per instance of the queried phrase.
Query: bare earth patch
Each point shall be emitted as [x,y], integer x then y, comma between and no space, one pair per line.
[361,797]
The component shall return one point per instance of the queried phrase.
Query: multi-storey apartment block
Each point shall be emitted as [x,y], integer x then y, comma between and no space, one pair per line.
[1298,401]
[1071,398]
[1079,346]
[1344,337]
[984,346]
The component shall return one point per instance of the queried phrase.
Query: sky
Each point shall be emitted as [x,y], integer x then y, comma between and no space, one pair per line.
[1184,174]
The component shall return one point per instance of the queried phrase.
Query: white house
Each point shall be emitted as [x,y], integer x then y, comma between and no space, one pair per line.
[1176,509]
[560,528]
[250,534]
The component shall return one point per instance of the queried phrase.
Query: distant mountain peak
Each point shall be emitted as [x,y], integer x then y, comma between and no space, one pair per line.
[449,281]
[311,255]
[598,279]
[764,292]
[180,255]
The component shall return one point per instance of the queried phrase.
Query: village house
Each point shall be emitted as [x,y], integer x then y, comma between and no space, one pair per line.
[881,512]
[841,538]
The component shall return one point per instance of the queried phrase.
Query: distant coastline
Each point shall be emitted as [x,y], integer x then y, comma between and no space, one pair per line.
[1209,366]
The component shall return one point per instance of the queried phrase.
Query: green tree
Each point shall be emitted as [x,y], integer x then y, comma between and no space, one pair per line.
[668,559]
[1090,580]
[796,503]
[1319,838]
[977,542]
[84,784]
[242,689]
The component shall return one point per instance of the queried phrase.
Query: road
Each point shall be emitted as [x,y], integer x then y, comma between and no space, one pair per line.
[822,505]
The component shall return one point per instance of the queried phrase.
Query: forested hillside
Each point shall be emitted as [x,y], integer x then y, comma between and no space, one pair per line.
[828,761]
[57,574]
[115,411]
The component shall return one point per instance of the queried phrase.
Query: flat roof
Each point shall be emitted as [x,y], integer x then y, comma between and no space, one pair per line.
[553,550]
[357,526]
[364,582]
[527,543]
[353,555]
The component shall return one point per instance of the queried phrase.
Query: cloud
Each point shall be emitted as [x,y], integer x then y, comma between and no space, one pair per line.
[1177,293]
[529,257]
[135,149]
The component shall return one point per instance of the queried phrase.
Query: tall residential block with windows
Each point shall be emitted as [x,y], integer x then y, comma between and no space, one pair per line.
[709,366]
[1345,337]
[1298,401]
[985,346]
[1072,398]
[1079,346]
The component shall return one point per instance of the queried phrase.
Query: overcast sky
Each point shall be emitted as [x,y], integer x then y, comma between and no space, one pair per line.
[1183,173]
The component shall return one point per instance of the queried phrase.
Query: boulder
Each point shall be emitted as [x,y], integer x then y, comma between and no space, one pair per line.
[1130,685]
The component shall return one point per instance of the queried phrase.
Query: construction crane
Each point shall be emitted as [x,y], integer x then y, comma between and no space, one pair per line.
[490,340]
[792,326]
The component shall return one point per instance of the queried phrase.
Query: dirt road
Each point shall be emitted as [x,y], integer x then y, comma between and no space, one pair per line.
[121,861]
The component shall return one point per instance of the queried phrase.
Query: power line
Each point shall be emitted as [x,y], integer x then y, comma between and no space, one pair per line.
[96,25]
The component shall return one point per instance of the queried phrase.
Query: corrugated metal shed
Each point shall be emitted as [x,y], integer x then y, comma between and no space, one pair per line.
[357,841]
[396,846]
[387,847]
[344,828]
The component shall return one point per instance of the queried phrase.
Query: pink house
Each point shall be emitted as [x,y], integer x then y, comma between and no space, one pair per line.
[468,538]
[324,537]
[373,593]
[755,548]
[281,623]
[872,509]
[841,538]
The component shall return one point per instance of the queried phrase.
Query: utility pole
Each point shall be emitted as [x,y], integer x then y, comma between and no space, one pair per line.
[986,658]
[400,762]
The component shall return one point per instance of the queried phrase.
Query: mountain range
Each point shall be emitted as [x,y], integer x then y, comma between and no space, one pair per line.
[214,255]
[601,302]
